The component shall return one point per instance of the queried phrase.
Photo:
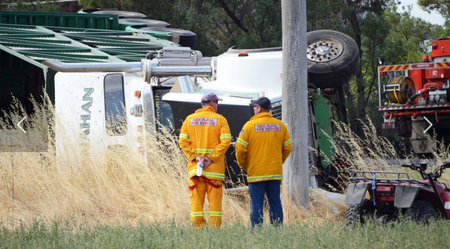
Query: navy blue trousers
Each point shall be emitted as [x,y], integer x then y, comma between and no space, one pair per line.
[257,192]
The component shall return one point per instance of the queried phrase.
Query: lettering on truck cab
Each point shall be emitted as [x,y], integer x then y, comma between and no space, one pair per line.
[85,110]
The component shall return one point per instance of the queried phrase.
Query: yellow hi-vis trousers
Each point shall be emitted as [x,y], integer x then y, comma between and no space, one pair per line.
[200,186]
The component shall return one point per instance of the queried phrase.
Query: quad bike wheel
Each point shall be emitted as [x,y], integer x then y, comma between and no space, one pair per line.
[422,211]
[332,58]
[360,212]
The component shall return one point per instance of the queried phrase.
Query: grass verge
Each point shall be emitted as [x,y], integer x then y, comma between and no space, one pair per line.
[170,235]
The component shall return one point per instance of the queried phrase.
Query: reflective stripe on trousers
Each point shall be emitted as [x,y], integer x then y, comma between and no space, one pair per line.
[201,186]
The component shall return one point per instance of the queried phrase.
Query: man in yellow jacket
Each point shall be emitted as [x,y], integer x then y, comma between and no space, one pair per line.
[205,137]
[261,149]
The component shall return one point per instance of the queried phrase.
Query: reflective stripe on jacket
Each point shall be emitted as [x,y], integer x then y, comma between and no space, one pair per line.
[262,147]
[206,133]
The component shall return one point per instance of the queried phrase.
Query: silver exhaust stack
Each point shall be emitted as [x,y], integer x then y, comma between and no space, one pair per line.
[149,68]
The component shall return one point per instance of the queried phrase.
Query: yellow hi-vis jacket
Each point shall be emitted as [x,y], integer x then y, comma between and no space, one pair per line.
[206,133]
[262,147]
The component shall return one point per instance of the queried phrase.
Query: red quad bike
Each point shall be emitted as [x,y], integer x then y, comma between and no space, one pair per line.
[392,193]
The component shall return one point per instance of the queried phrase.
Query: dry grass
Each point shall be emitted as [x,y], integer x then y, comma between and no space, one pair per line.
[371,151]
[127,190]
[124,190]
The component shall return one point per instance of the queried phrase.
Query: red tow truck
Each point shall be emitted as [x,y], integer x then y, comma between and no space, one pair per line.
[415,98]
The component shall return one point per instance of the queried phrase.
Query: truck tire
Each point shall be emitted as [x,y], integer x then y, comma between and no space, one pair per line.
[332,58]
[120,13]
[183,37]
[89,11]
[422,211]
[359,213]
[147,22]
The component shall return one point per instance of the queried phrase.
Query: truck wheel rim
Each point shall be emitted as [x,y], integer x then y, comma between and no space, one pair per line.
[324,50]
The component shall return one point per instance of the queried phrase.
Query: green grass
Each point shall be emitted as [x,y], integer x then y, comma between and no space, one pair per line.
[298,235]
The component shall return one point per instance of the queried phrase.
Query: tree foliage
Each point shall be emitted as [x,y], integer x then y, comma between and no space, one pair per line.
[219,24]
[441,6]
[38,5]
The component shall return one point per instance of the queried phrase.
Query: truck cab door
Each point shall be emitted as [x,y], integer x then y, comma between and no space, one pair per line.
[99,113]
[79,116]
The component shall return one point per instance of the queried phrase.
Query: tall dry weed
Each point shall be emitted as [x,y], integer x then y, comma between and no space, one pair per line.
[80,185]
[123,188]
[372,151]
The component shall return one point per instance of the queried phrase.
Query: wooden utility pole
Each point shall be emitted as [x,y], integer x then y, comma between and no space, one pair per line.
[295,98]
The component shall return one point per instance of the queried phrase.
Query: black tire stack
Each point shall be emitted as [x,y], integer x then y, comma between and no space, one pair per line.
[121,14]
[138,21]
[183,37]
[146,22]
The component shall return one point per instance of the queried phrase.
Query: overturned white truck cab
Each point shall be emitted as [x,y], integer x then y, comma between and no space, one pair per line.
[242,75]
[126,93]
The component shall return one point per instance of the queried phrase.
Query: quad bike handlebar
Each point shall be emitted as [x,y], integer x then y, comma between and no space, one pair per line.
[422,167]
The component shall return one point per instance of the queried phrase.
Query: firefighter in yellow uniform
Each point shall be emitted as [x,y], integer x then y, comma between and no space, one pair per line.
[205,136]
[261,149]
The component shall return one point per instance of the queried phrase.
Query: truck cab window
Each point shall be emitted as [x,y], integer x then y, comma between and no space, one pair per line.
[163,111]
[115,115]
